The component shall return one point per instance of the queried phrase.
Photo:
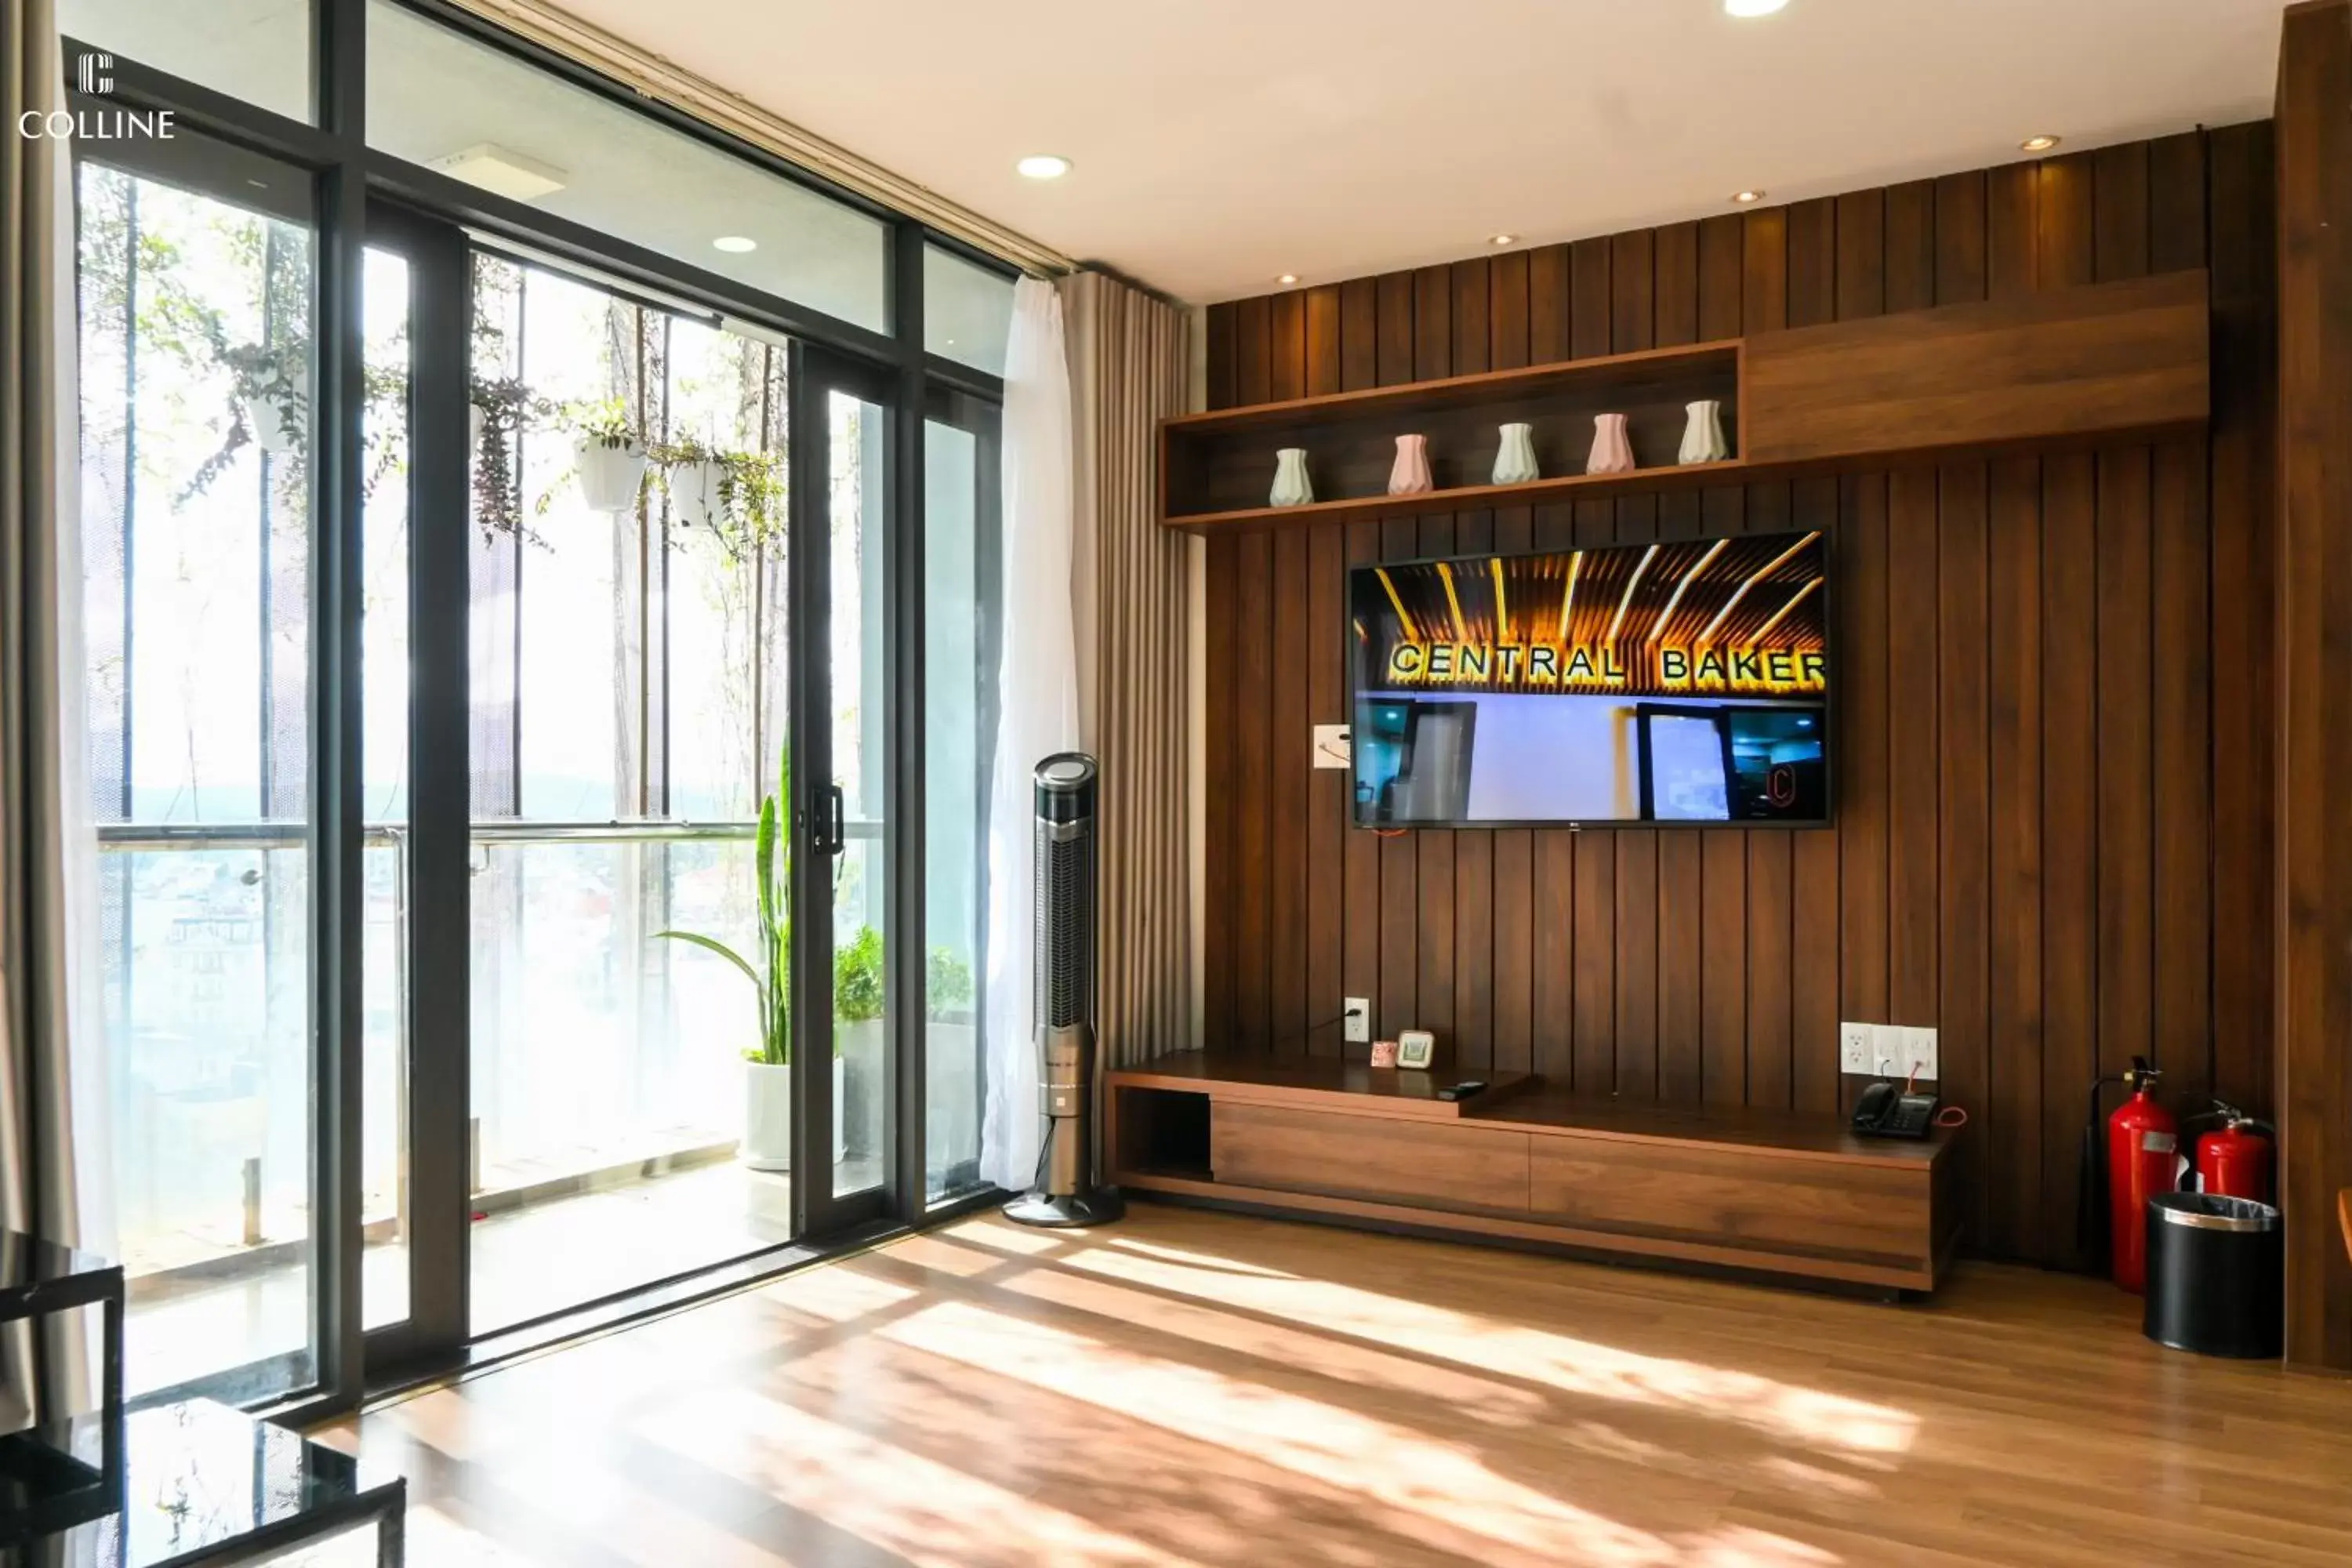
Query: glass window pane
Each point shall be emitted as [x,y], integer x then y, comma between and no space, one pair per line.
[443,100]
[196,326]
[860,762]
[967,311]
[959,679]
[628,664]
[384,674]
[258,50]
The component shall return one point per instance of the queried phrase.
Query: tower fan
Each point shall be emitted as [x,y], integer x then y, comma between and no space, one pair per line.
[1064,1192]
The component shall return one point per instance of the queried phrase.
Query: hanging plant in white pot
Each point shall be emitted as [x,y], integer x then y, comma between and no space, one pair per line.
[609,460]
[767,1142]
[695,478]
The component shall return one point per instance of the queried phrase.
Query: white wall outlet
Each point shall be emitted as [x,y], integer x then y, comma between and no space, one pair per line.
[1858,1048]
[1332,749]
[1357,1017]
[1914,1051]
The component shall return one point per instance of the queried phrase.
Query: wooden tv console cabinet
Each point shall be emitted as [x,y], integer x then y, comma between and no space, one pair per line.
[1724,1186]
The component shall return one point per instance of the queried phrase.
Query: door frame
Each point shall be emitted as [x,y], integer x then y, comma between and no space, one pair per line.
[818,840]
[439,869]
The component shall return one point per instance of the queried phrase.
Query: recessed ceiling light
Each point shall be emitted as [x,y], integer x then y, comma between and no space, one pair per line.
[1746,198]
[1505,239]
[2037,143]
[1044,166]
[734,244]
[1287,278]
[1752,7]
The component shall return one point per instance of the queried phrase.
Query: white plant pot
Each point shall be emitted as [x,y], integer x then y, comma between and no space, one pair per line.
[863,1048]
[610,477]
[768,1116]
[694,493]
[273,431]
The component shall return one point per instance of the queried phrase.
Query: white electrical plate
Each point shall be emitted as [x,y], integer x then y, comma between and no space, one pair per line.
[1357,1020]
[1913,1048]
[1857,1047]
[1332,747]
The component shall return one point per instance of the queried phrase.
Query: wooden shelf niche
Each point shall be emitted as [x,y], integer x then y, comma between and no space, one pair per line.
[2103,362]
[1216,469]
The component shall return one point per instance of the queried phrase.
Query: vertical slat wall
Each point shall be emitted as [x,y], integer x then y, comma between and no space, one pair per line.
[2053,774]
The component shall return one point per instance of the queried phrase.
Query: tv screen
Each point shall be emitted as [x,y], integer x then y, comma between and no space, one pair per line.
[1670,683]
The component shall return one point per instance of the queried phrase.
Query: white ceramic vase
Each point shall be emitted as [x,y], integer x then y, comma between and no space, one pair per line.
[609,476]
[1291,485]
[1515,460]
[1612,453]
[1410,476]
[1703,434]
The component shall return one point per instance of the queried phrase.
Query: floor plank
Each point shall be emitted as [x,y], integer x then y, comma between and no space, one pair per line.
[1203,1388]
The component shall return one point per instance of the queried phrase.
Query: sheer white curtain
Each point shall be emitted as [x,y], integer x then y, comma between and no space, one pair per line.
[1038,714]
[52,1143]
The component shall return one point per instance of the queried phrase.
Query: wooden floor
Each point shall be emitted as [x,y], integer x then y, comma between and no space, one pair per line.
[1196,1388]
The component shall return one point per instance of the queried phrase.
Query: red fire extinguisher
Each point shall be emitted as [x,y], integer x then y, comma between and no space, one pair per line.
[2142,1143]
[2233,1160]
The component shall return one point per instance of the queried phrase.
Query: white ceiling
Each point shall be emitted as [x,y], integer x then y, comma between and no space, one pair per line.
[1221,143]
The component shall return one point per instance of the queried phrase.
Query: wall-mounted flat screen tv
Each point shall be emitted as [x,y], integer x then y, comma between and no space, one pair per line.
[1677,683]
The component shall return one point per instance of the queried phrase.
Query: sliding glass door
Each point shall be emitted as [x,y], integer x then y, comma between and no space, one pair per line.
[629,590]
[196,320]
[843,866]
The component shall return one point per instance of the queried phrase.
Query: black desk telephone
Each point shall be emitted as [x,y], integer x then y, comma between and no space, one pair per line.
[1885,1111]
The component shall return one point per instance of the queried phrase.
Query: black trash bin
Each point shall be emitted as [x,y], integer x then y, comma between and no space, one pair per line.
[2216,1269]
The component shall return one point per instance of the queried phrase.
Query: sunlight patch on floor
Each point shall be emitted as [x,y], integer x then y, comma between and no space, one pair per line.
[1429,1490]
[930,1514]
[1556,1361]
[1344,1360]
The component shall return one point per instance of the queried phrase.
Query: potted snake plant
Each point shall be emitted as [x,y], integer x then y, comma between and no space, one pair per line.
[767,1142]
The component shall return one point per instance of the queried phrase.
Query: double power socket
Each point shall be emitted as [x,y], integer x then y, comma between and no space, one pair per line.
[1890,1050]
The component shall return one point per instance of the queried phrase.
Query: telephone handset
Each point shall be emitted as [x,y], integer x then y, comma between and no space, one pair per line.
[1887,1110]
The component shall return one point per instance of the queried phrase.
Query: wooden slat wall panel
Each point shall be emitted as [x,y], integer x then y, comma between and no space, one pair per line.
[1220,889]
[2020,644]
[2315,412]
[1964,728]
[1324,798]
[2241,492]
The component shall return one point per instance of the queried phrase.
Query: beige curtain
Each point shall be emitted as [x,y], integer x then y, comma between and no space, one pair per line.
[1127,369]
[48,872]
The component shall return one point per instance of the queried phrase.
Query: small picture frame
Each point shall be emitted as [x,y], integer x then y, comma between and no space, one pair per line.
[1416,1048]
[1384,1053]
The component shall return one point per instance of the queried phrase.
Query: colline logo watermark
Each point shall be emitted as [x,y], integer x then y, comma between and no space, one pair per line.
[94,78]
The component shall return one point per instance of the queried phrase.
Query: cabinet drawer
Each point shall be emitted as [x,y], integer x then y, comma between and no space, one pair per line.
[1428,1166]
[1835,1209]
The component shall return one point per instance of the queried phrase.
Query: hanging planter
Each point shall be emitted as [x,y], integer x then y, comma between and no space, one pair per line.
[279,412]
[610,475]
[697,492]
[272,387]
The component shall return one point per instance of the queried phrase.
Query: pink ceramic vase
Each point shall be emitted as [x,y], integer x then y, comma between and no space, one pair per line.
[1410,476]
[1612,453]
